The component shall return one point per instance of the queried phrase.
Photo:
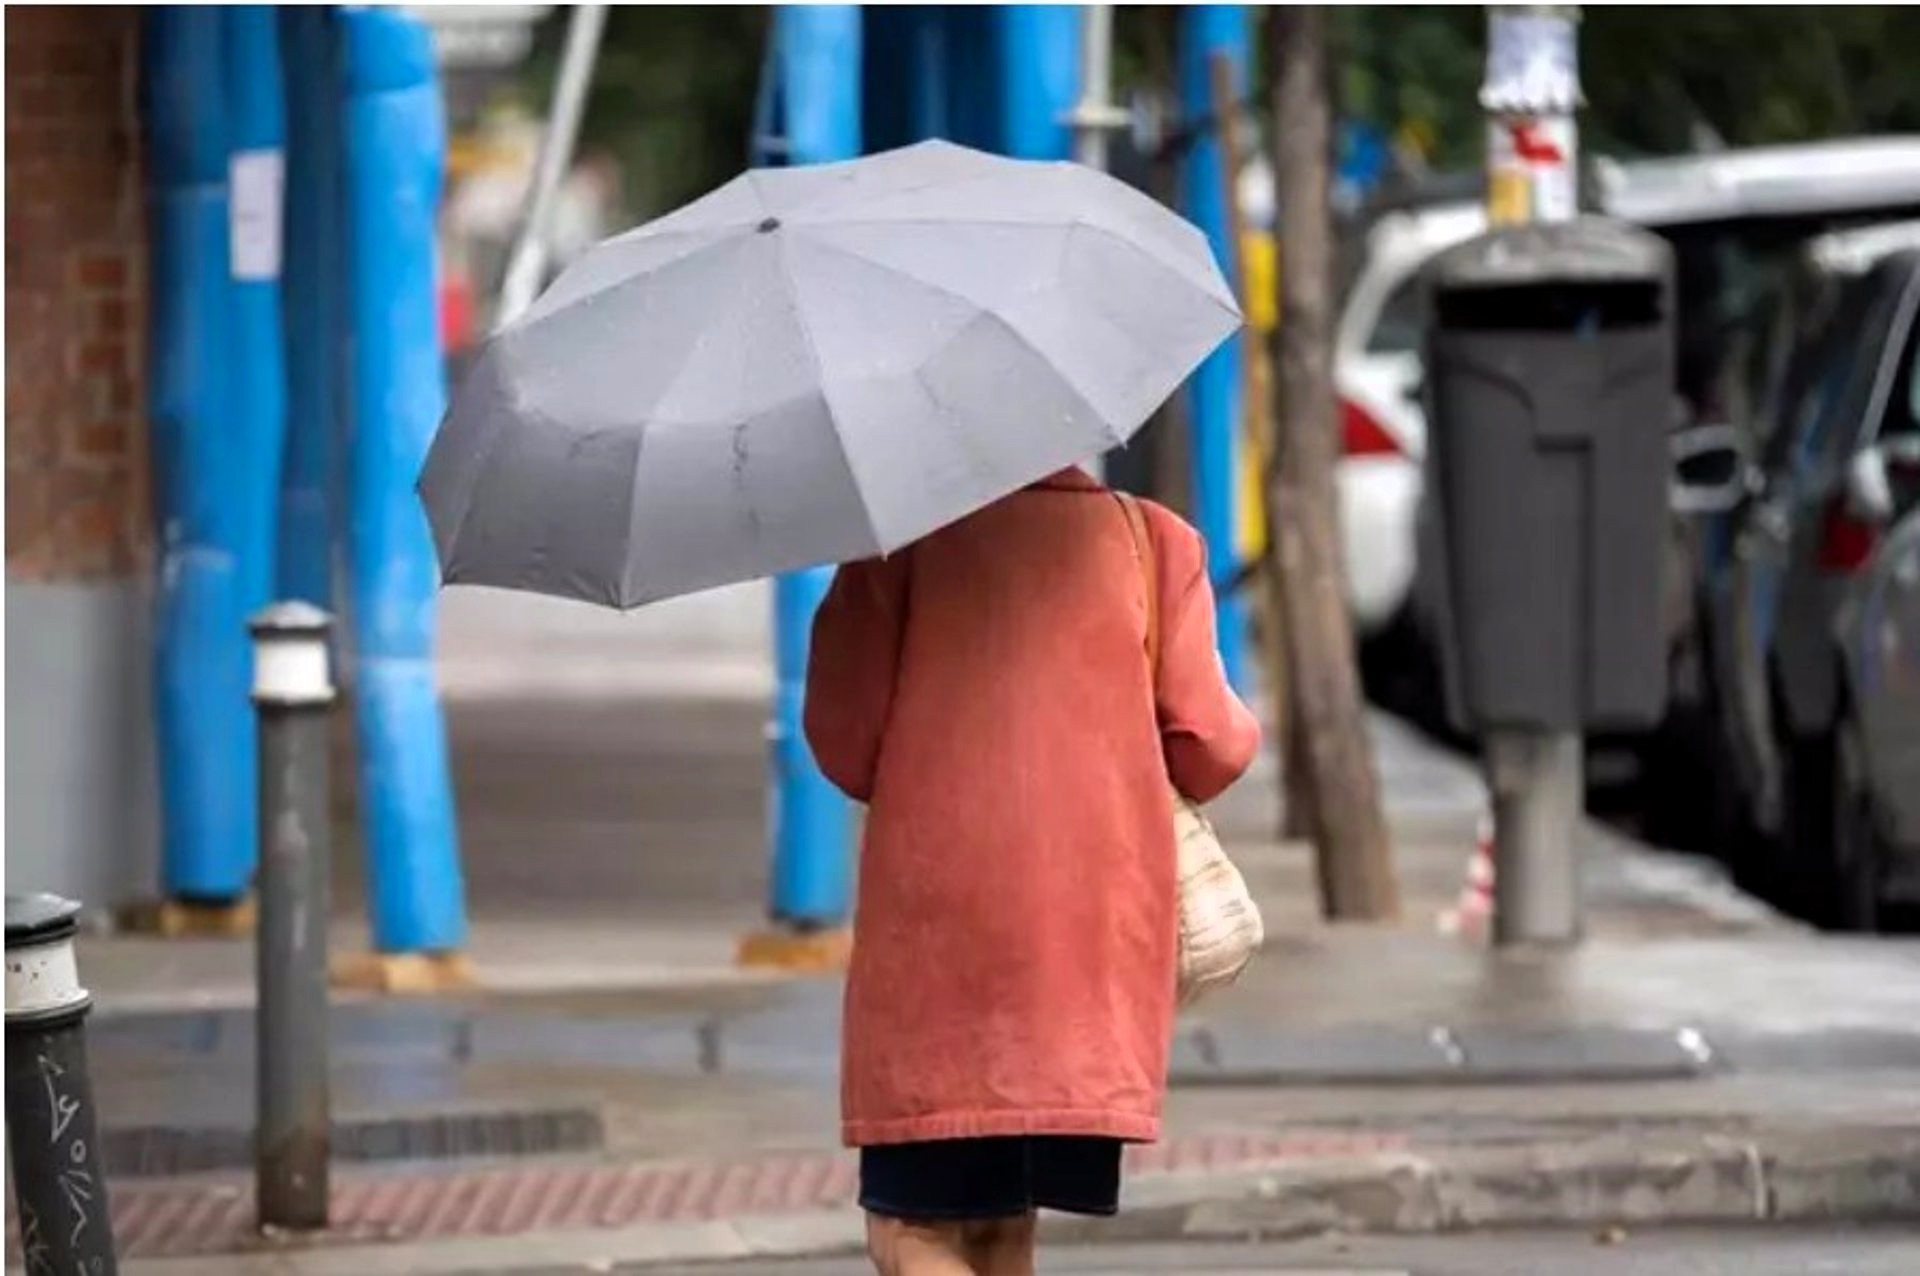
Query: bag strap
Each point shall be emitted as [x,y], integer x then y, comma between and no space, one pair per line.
[1149,574]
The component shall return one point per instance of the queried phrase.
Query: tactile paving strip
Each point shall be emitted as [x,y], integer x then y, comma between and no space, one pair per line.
[211,1216]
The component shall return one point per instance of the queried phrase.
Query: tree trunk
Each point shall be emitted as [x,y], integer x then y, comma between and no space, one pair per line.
[1296,809]
[1353,855]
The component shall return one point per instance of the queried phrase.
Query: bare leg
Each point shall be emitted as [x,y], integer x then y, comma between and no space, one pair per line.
[905,1247]
[1002,1246]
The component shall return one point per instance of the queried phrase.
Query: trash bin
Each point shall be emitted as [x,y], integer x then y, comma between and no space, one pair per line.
[1550,377]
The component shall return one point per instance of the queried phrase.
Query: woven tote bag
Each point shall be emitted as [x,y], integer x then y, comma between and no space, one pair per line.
[1220,925]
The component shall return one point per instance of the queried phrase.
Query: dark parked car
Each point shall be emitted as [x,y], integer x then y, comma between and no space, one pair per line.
[1877,763]
[1781,563]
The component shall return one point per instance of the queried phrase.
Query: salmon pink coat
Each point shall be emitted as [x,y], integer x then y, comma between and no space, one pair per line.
[987,693]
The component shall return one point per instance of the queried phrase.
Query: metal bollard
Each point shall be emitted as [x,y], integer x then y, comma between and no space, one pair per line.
[58,1188]
[292,692]
[1539,791]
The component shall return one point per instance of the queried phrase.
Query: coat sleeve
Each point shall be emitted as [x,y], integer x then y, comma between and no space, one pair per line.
[1209,736]
[850,671]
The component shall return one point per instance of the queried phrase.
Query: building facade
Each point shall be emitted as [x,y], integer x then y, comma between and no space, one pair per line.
[79,536]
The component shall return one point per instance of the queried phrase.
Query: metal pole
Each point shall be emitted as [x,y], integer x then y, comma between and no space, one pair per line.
[256,357]
[201,491]
[394,138]
[293,694]
[52,1136]
[1095,114]
[1207,30]
[1039,72]
[1536,776]
[312,306]
[528,264]
[1538,796]
[817,65]
[1530,95]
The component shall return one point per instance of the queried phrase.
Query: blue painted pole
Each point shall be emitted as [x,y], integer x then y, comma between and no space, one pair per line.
[311,294]
[202,657]
[1214,389]
[1040,78]
[256,357]
[395,146]
[817,54]
[927,67]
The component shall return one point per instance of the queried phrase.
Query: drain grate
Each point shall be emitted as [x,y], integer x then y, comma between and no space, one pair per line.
[167,1151]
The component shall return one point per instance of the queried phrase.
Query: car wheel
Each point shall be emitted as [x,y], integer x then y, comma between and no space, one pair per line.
[1687,797]
[1804,875]
[1830,861]
[1856,844]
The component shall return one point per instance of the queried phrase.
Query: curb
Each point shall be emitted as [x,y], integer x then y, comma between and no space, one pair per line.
[1801,1177]
[1814,1175]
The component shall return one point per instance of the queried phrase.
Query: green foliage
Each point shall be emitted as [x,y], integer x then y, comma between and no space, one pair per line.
[1752,75]
[1657,79]
[1413,65]
[672,96]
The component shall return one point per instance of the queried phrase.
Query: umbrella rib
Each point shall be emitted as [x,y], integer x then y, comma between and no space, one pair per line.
[1176,268]
[491,446]
[1006,168]
[988,312]
[982,313]
[723,236]
[792,290]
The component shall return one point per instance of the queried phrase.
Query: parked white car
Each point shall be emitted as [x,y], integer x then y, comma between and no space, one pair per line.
[1383,429]
[1377,345]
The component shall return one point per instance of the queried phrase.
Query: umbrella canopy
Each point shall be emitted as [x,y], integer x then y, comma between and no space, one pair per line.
[815,365]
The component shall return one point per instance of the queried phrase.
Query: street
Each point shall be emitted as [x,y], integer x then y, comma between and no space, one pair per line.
[619,1095]
[1677,1252]
[1329,595]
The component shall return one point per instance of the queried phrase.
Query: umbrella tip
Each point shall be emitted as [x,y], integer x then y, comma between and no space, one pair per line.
[768,225]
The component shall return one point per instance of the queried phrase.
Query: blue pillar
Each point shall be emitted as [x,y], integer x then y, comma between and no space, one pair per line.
[927,66]
[817,64]
[1040,78]
[1215,387]
[395,145]
[311,291]
[202,661]
[256,357]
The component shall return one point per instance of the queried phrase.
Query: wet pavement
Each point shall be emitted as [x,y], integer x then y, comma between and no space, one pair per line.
[1883,1251]
[614,857]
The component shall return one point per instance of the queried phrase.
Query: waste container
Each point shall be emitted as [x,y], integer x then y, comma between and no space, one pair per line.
[1550,375]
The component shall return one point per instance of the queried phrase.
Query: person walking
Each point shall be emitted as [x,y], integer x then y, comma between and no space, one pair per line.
[987,693]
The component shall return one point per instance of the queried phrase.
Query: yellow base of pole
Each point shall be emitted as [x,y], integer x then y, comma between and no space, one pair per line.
[179,919]
[403,974]
[798,952]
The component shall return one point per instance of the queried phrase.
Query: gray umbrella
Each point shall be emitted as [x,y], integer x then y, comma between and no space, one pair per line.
[815,365]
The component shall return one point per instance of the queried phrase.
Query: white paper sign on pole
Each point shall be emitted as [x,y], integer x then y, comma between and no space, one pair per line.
[1532,62]
[256,188]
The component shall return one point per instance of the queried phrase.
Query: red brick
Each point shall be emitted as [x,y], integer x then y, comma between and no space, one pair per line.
[103,358]
[101,441]
[101,270]
[90,539]
[36,100]
[120,397]
[33,436]
[27,524]
[75,431]
[110,317]
[79,57]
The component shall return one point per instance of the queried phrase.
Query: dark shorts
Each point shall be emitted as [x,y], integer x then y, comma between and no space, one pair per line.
[991,1178]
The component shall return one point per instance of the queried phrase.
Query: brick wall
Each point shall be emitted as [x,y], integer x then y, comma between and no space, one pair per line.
[76,270]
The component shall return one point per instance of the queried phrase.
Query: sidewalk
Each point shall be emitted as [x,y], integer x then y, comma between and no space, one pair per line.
[616,1090]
